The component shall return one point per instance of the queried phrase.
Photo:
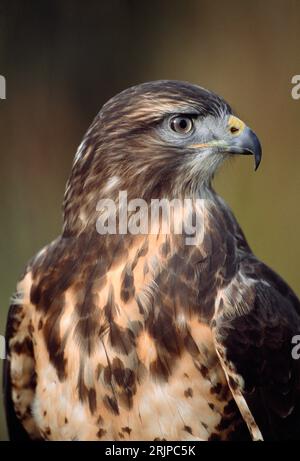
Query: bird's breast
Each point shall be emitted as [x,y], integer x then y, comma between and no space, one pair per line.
[137,359]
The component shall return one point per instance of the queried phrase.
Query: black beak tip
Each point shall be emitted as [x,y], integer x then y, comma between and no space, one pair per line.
[257,157]
[251,142]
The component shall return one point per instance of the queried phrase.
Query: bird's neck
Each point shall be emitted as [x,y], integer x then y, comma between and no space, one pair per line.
[122,208]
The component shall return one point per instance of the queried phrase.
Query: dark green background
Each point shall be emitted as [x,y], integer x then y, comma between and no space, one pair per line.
[64,59]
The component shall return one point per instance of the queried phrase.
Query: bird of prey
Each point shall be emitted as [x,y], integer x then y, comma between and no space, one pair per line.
[141,336]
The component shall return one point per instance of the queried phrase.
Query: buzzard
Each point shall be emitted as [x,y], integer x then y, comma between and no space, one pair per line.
[141,336]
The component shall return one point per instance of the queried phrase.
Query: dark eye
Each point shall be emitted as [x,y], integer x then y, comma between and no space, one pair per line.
[181,124]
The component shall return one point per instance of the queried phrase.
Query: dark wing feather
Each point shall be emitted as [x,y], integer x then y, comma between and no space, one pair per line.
[16,431]
[254,331]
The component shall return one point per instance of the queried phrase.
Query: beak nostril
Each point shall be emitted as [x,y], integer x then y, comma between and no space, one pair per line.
[234,129]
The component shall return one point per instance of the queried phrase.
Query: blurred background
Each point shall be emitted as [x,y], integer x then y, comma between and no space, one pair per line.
[63,59]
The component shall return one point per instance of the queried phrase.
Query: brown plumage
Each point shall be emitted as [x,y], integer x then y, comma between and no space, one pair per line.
[143,337]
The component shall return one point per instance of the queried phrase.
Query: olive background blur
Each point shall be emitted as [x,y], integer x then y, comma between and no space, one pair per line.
[63,59]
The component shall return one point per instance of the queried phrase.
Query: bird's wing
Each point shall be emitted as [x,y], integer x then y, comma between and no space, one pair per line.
[256,318]
[19,367]
[16,431]
[19,376]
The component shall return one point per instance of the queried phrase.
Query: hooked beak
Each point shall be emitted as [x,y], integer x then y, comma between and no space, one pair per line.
[245,143]
[242,141]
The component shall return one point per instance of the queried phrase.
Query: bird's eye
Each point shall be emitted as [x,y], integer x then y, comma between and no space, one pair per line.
[181,124]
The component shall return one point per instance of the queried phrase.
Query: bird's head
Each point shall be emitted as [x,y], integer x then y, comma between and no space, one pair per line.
[158,139]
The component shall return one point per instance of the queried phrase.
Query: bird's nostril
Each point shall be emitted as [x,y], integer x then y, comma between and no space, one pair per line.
[234,129]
